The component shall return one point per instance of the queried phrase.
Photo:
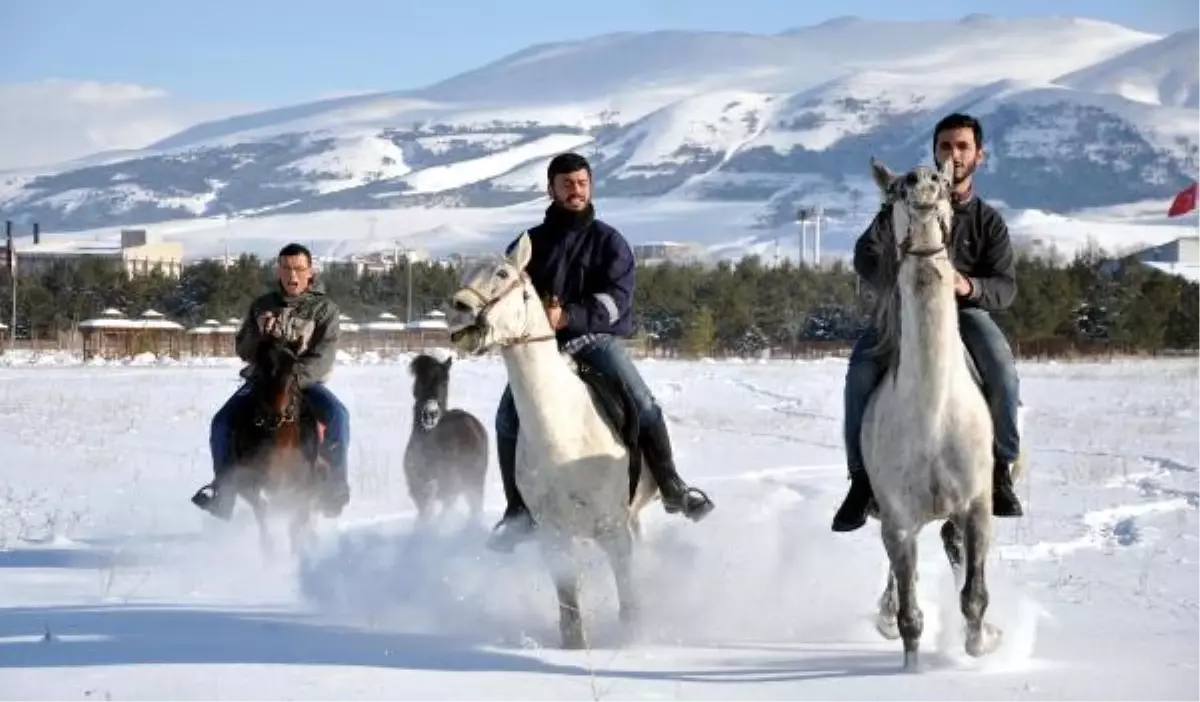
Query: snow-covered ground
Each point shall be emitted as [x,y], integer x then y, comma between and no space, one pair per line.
[114,586]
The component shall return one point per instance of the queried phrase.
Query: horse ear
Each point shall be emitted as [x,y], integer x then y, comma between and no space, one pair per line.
[882,174]
[948,170]
[524,251]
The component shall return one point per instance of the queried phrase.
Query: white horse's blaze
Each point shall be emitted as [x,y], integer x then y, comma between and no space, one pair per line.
[572,467]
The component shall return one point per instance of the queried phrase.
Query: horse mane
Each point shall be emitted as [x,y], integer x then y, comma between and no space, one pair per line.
[422,365]
[885,309]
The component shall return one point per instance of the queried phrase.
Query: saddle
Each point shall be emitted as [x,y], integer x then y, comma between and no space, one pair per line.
[615,404]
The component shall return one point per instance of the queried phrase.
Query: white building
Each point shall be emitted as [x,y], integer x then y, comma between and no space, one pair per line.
[136,252]
[1179,257]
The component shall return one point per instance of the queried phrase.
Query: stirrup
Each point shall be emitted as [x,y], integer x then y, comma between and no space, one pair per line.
[205,496]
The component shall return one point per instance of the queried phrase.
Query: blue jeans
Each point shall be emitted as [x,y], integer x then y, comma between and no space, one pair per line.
[992,355]
[609,358]
[326,406]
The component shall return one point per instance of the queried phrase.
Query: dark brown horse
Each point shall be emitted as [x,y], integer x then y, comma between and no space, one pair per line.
[277,462]
[447,453]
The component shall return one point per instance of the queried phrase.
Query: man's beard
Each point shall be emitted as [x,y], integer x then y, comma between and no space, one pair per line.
[576,206]
[968,171]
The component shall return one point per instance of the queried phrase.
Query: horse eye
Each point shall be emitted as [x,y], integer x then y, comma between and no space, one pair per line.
[910,179]
[502,274]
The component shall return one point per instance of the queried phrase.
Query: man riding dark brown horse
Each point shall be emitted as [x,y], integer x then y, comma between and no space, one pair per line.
[299,313]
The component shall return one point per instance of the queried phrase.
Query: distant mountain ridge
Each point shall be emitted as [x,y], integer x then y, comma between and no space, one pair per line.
[1108,116]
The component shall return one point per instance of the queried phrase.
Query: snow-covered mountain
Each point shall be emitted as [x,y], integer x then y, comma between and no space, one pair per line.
[1077,113]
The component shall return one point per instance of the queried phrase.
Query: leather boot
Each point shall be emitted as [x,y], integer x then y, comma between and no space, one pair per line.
[853,512]
[517,525]
[676,495]
[1004,497]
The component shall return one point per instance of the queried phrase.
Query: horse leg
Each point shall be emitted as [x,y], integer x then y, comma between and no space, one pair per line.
[902,552]
[557,551]
[617,543]
[260,516]
[952,543]
[982,637]
[300,529]
[885,619]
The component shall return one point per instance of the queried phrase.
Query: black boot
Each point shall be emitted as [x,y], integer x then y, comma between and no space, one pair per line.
[1004,497]
[676,495]
[218,497]
[853,512]
[335,492]
[517,524]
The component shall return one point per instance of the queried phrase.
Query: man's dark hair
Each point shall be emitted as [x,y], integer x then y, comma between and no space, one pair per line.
[567,163]
[296,250]
[959,120]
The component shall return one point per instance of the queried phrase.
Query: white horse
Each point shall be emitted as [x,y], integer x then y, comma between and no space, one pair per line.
[927,433]
[572,467]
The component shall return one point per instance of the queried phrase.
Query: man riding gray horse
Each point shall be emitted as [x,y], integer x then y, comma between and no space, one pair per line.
[984,282]
[298,311]
[585,269]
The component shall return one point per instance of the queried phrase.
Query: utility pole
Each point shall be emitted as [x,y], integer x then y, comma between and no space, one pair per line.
[12,281]
[408,268]
[817,236]
[802,216]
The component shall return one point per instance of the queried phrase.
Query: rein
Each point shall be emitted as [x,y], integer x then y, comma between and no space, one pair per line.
[907,249]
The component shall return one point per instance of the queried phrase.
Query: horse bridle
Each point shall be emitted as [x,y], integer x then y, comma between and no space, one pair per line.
[907,249]
[488,303]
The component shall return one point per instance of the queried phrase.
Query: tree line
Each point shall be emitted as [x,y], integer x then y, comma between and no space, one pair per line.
[732,308]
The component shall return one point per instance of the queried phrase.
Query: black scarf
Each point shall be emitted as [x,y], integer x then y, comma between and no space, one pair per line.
[562,220]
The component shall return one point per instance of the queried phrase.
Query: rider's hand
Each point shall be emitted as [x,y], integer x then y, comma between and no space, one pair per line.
[962,285]
[554,313]
[268,324]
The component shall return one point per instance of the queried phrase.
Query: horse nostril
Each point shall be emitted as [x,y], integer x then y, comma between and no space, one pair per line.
[460,306]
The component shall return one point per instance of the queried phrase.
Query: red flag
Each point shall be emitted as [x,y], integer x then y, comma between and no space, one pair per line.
[1185,201]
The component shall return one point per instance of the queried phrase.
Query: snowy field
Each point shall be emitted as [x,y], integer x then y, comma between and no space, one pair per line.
[116,587]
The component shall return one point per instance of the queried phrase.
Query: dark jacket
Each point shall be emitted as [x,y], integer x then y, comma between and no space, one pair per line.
[982,252]
[310,318]
[589,267]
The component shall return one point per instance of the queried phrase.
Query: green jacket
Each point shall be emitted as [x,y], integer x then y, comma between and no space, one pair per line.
[311,319]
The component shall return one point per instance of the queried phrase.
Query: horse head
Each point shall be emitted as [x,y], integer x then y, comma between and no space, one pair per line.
[920,203]
[277,381]
[431,386]
[497,304]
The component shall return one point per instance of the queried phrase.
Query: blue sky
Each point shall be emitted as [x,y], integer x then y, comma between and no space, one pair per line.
[290,50]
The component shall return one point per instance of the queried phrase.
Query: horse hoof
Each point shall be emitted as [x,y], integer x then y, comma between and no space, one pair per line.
[887,627]
[911,662]
[573,642]
[984,640]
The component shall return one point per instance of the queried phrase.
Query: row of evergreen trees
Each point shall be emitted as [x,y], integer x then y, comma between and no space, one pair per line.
[732,308]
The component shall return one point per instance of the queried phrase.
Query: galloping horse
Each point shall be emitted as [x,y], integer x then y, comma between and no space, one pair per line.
[927,433]
[276,444]
[447,453]
[573,468]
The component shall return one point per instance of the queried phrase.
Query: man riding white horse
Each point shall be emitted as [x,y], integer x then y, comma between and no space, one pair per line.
[984,282]
[298,311]
[585,269]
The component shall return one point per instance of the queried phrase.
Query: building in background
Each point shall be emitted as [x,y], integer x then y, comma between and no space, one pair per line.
[668,252]
[136,253]
[1179,257]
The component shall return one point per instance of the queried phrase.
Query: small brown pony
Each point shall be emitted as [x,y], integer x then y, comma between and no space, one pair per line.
[277,461]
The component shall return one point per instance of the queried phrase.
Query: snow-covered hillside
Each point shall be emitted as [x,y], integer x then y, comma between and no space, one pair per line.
[763,122]
[116,587]
[1164,72]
